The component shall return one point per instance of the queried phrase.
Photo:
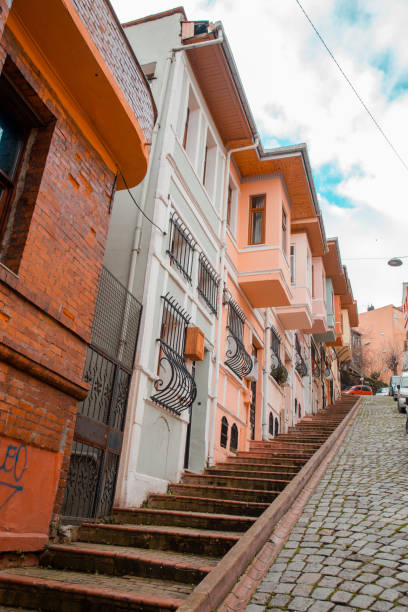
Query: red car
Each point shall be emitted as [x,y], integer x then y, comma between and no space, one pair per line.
[359,390]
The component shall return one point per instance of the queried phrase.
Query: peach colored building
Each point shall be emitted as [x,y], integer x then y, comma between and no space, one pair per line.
[382,335]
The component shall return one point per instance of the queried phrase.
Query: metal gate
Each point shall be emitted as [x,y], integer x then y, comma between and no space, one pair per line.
[101,416]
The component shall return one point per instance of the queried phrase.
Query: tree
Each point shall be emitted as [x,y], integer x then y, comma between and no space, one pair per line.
[393,357]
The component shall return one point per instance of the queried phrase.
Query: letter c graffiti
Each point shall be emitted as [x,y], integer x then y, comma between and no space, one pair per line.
[20,463]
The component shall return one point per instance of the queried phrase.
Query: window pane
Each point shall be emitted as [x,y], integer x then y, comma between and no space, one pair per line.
[258,201]
[257,218]
[10,143]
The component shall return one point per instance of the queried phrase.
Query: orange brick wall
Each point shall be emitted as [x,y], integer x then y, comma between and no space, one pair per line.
[47,301]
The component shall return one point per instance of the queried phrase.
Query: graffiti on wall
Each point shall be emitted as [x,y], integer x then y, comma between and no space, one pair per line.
[13,463]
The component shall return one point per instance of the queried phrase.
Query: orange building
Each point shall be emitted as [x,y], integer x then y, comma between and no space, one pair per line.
[71,114]
[382,340]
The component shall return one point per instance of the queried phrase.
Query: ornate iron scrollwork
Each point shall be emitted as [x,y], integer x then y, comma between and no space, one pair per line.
[278,370]
[301,367]
[237,359]
[176,388]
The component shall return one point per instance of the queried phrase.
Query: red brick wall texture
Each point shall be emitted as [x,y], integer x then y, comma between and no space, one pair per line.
[47,299]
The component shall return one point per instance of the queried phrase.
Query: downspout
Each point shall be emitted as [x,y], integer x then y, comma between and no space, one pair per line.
[265,372]
[220,293]
[163,94]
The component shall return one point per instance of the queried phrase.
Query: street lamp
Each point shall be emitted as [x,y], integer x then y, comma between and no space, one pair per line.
[395,262]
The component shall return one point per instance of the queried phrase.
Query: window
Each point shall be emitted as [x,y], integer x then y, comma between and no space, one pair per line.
[237,358]
[271,423]
[186,126]
[191,127]
[308,271]
[208,282]
[181,247]
[300,411]
[284,232]
[234,438]
[313,282]
[292,264]
[275,343]
[229,206]
[175,386]
[276,427]
[210,163]
[296,406]
[257,219]
[25,136]
[224,432]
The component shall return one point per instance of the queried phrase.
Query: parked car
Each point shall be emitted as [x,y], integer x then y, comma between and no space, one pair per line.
[360,390]
[383,391]
[402,393]
[394,381]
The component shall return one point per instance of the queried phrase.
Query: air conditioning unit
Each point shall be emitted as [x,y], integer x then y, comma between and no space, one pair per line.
[253,375]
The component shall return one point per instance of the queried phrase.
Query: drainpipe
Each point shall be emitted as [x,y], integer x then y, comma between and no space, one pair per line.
[161,106]
[265,372]
[220,293]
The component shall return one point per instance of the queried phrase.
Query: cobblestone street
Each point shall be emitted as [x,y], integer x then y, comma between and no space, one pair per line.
[349,549]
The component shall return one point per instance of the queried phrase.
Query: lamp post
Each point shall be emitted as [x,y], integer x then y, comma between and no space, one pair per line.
[395,262]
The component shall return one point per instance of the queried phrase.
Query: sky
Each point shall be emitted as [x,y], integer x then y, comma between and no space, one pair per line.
[297,94]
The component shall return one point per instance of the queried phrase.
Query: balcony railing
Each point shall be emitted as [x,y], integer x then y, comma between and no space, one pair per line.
[237,358]
[175,388]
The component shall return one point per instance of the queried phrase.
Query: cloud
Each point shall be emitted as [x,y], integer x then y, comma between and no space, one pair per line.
[297,94]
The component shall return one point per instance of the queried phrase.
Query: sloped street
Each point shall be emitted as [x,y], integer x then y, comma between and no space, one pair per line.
[349,549]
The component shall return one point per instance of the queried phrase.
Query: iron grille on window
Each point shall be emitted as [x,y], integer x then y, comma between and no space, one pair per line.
[315,360]
[175,387]
[237,358]
[181,247]
[278,370]
[300,364]
[208,282]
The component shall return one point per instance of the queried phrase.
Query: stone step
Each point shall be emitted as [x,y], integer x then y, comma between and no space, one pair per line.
[50,590]
[230,481]
[230,493]
[202,504]
[179,539]
[276,454]
[201,520]
[243,471]
[119,561]
[267,462]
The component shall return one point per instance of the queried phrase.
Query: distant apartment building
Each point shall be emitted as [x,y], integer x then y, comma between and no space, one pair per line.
[382,340]
[74,108]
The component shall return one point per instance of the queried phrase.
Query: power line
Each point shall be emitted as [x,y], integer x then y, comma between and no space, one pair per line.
[138,206]
[378,126]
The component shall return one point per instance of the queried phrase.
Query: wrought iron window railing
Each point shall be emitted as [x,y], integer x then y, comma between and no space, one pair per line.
[237,358]
[300,364]
[278,370]
[208,282]
[181,247]
[175,388]
[315,361]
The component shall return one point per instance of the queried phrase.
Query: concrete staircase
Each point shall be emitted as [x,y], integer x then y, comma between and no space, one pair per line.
[152,558]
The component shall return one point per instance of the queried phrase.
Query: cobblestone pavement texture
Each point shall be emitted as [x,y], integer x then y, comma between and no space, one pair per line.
[349,549]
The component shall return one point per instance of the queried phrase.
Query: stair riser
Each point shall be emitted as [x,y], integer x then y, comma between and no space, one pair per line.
[183,543]
[241,483]
[248,473]
[219,493]
[198,522]
[267,463]
[39,597]
[114,565]
[203,505]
